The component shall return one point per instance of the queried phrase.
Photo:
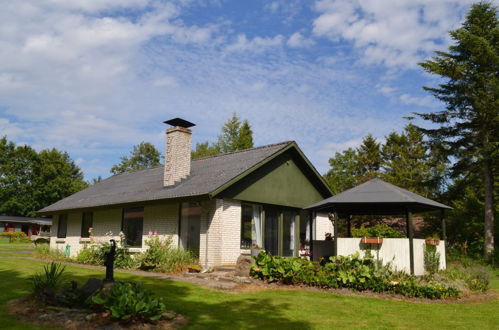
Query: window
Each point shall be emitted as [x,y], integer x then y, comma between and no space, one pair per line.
[62,226]
[288,248]
[132,224]
[251,226]
[86,224]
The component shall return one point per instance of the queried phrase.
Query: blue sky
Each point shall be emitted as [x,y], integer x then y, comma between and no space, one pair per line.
[95,77]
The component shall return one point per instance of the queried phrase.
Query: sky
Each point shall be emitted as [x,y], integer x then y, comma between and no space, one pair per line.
[95,77]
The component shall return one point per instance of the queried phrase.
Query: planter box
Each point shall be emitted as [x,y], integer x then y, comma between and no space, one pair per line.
[371,240]
[432,242]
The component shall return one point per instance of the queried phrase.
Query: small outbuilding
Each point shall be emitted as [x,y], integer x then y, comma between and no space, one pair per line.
[30,226]
[377,197]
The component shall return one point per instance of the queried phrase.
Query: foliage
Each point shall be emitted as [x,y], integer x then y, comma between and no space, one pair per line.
[236,135]
[95,254]
[431,258]
[43,251]
[29,181]
[405,160]
[162,256]
[348,272]
[379,230]
[469,126]
[16,237]
[45,283]
[129,301]
[143,155]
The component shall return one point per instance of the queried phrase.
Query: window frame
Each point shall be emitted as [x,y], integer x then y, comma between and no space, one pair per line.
[63,218]
[124,221]
[86,234]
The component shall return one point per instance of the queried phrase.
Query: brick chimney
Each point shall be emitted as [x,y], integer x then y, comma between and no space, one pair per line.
[178,151]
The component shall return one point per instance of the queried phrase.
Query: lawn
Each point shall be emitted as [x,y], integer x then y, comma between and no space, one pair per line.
[270,309]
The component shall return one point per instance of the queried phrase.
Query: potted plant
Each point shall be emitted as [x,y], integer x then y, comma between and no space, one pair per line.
[371,240]
[255,250]
[432,240]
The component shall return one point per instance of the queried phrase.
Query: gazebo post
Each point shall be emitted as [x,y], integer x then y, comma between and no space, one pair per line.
[349,233]
[410,235]
[444,230]
[335,231]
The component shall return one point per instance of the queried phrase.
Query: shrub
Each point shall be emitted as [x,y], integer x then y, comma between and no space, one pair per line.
[95,254]
[16,237]
[129,301]
[431,258]
[348,272]
[44,251]
[45,283]
[162,256]
[381,230]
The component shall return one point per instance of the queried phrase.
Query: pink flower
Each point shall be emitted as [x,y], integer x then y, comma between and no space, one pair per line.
[150,233]
[90,229]
[163,244]
[156,233]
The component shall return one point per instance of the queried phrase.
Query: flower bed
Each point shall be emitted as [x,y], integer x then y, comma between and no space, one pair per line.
[359,274]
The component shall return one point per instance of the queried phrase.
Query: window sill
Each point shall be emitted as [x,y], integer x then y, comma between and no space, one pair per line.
[85,240]
[134,249]
[60,240]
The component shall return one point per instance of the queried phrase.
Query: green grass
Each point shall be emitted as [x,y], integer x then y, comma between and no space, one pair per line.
[6,246]
[270,309]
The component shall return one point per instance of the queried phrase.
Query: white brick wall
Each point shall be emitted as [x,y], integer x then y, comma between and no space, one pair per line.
[161,218]
[178,155]
[231,231]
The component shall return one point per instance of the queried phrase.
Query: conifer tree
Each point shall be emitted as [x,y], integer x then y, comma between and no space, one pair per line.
[469,125]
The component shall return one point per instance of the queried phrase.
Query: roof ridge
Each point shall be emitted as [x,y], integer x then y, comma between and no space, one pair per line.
[244,150]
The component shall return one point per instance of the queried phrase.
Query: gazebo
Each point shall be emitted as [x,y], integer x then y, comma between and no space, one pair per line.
[377,197]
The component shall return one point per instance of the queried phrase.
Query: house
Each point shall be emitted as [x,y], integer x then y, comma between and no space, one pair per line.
[30,226]
[218,207]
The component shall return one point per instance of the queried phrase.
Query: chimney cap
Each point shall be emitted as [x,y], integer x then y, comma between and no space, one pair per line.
[179,122]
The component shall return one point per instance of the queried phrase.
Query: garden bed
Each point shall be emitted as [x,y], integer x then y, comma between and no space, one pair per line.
[28,310]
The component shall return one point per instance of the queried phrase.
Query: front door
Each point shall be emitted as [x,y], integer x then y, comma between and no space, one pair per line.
[190,227]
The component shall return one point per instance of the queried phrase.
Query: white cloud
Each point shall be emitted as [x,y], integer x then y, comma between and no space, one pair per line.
[256,45]
[297,40]
[391,33]
[425,101]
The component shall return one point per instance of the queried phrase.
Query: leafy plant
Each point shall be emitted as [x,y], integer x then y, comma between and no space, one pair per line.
[128,301]
[44,251]
[431,258]
[95,254]
[16,237]
[380,230]
[162,256]
[45,283]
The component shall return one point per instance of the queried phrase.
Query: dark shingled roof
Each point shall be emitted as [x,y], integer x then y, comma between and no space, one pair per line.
[377,196]
[207,174]
[38,221]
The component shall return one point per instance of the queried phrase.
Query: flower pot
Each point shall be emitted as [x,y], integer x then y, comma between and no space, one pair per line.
[371,240]
[432,242]
[255,252]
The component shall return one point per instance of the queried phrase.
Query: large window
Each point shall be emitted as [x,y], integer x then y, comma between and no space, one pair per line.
[132,224]
[251,226]
[289,230]
[86,224]
[62,226]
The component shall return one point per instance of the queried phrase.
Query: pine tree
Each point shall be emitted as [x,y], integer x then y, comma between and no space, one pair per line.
[470,123]
[369,159]
[143,155]
[245,139]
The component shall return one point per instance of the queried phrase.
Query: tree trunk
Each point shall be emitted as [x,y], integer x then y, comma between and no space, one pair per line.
[489,210]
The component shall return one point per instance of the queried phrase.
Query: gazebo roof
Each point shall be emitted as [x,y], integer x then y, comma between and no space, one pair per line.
[377,197]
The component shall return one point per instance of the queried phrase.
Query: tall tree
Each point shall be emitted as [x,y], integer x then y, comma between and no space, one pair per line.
[30,181]
[410,163]
[143,155]
[236,135]
[369,158]
[343,174]
[470,123]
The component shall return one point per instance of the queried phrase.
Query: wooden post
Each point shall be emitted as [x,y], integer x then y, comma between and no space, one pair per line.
[410,235]
[310,243]
[335,230]
[444,229]
[349,219]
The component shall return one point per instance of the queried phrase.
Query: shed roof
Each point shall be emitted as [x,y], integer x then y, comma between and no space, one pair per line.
[38,221]
[377,197]
[208,176]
